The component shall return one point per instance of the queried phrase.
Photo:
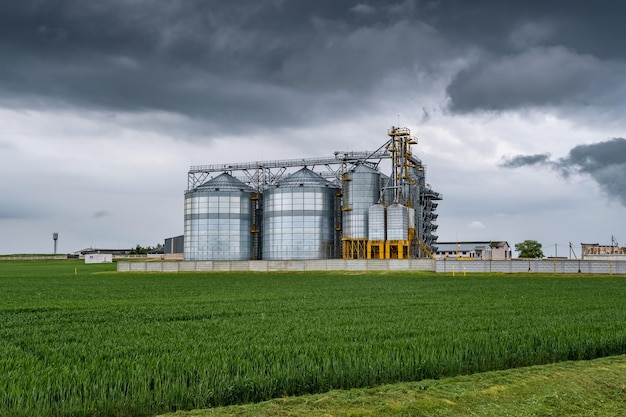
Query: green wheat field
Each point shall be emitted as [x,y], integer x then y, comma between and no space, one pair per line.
[80,339]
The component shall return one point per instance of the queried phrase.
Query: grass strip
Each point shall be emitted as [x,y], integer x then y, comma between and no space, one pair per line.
[580,388]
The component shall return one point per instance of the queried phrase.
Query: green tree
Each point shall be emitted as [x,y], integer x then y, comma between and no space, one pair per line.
[529,249]
[139,250]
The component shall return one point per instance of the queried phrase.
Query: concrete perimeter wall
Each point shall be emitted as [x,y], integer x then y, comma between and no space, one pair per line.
[556,266]
[510,266]
[33,258]
[264,266]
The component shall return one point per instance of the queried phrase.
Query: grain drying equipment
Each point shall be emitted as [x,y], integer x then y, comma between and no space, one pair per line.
[333,207]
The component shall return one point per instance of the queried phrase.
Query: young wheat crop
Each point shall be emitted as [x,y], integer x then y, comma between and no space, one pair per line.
[135,344]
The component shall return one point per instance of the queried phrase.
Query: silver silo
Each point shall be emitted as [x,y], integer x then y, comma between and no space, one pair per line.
[376,222]
[397,222]
[298,218]
[361,190]
[217,220]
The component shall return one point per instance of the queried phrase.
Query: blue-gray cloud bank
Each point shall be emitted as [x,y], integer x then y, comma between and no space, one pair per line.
[604,162]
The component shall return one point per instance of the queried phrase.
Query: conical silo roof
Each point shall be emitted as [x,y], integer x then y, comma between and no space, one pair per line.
[364,169]
[304,178]
[224,182]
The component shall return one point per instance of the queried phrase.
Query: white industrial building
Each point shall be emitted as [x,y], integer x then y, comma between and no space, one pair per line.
[485,250]
[98,258]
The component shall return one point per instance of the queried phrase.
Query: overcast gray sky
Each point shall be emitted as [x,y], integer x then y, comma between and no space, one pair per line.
[104,106]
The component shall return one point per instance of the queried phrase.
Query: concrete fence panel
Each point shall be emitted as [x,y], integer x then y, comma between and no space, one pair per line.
[316,265]
[137,266]
[377,265]
[336,264]
[258,266]
[356,265]
[154,266]
[171,266]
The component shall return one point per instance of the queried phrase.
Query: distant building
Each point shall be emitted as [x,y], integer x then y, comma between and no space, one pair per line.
[597,252]
[487,250]
[116,252]
[175,244]
[98,258]
[174,248]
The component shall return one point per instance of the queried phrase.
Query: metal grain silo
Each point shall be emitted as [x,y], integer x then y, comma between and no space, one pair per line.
[376,222]
[298,218]
[217,220]
[360,191]
[397,222]
[376,231]
[397,245]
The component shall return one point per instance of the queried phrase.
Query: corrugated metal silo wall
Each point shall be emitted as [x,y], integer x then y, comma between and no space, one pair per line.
[217,225]
[299,223]
[361,191]
[397,222]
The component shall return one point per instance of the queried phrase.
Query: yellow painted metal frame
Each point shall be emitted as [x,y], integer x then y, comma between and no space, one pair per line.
[355,248]
[375,249]
[397,249]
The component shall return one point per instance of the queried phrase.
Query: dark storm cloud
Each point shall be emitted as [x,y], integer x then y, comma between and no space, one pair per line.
[187,57]
[264,62]
[250,61]
[605,162]
[536,77]
[503,27]
[525,160]
[529,54]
